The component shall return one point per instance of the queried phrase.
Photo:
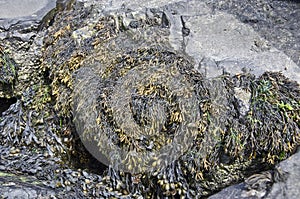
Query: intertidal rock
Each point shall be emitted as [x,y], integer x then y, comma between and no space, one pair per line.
[13,186]
[21,19]
[141,107]
[175,99]
[282,182]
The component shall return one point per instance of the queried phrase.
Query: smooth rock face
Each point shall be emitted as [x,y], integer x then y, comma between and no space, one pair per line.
[276,21]
[20,8]
[18,11]
[232,192]
[234,46]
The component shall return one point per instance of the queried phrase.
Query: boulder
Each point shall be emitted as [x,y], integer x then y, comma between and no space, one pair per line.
[21,18]
[284,180]
[134,77]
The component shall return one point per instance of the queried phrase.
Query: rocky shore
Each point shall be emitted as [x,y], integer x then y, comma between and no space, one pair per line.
[156,99]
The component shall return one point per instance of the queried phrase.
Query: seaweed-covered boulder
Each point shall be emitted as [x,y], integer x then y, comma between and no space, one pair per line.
[142,106]
[167,108]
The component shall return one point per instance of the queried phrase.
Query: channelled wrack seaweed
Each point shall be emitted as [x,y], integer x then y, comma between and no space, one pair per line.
[274,117]
[134,103]
[147,109]
[270,129]
[8,69]
[135,92]
[8,74]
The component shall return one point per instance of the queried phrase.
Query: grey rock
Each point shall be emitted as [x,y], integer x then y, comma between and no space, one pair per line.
[210,68]
[19,8]
[243,97]
[276,21]
[286,183]
[19,11]
[23,192]
[22,187]
[21,19]
[236,46]
[289,187]
[232,192]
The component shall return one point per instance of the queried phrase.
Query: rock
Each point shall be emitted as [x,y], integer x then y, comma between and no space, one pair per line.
[287,186]
[21,19]
[232,192]
[23,187]
[209,68]
[72,73]
[243,98]
[18,9]
[236,47]
[276,21]
[285,182]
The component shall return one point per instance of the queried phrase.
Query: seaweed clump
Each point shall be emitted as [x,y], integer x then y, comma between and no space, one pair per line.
[274,117]
[8,74]
[130,95]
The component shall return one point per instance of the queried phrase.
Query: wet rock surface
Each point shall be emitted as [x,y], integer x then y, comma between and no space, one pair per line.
[16,186]
[270,19]
[283,182]
[20,19]
[72,69]
[19,9]
[287,185]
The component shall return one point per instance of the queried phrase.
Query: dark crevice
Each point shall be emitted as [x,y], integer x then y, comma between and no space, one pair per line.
[78,157]
[47,78]
[5,103]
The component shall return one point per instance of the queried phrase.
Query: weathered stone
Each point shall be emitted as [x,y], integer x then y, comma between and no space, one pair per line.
[236,47]
[276,21]
[232,192]
[20,18]
[23,187]
[285,180]
[289,185]
[243,98]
